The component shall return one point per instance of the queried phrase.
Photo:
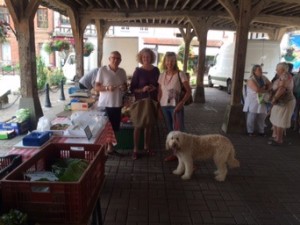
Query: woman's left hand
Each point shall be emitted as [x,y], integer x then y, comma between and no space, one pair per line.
[179,106]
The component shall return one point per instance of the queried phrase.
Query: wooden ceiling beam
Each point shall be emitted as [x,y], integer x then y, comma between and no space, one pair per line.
[99,3]
[280,20]
[105,14]
[136,24]
[108,3]
[126,3]
[166,4]
[155,4]
[117,3]
[185,4]
[175,4]
[81,3]
[195,4]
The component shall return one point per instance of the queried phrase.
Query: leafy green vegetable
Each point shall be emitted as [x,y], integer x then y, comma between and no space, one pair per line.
[22,115]
[69,169]
[14,217]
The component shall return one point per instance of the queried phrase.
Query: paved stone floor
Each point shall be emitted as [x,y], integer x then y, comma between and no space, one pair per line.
[265,190]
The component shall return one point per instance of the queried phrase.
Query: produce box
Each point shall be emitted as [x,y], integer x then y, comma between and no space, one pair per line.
[7,134]
[81,106]
[36,138]
[56,202]
[125,137]
[13,124]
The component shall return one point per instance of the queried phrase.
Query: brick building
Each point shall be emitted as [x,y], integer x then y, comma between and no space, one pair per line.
[43,25]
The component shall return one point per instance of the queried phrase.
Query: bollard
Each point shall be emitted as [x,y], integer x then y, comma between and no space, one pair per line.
[47,98]
[62,94]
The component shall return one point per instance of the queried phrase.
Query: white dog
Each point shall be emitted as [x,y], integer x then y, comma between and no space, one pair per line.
[188,147]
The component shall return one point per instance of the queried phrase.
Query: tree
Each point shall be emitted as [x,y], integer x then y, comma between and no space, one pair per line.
[191,63]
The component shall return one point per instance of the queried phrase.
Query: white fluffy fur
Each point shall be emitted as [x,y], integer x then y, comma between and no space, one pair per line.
[188,147]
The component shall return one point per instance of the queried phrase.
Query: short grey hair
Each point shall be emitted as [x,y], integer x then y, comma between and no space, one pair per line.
[284,66]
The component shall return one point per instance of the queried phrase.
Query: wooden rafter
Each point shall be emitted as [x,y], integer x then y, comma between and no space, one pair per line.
[127,4]
[175,4]
[184,5]
[117,4]
[196,3]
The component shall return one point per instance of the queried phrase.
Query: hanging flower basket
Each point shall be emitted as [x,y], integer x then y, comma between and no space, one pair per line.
[56,46]
[88,48]
[3,32]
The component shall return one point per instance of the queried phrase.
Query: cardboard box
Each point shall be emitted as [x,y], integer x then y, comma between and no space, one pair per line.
[81,106]
[19,128]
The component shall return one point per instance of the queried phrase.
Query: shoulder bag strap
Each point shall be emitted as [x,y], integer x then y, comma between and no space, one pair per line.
[180,80]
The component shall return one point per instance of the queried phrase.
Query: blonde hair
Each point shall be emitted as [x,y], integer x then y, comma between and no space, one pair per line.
[170,55]
[146,51]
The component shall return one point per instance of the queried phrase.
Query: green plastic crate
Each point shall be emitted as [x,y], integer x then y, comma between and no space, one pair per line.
[125,137]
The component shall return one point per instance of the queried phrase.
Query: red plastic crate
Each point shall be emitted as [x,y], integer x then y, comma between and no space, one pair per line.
[8,163]
[56,202]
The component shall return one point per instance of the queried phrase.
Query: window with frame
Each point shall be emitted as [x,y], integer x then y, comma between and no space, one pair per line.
[64,20]
[4,15]
[42,18]
[124,28]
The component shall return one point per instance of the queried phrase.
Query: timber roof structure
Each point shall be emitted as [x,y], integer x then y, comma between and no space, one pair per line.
[275,14]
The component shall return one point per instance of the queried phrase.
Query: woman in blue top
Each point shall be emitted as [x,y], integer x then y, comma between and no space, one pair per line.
[144,84]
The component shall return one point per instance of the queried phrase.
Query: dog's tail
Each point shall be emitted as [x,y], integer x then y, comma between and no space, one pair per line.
[232,161]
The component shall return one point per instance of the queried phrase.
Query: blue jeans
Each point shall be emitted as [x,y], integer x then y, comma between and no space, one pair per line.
[168,112]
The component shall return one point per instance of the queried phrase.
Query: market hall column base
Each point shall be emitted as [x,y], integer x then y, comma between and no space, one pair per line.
[234,119]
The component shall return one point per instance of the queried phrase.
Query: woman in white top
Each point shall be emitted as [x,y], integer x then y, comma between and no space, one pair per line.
[169,90]
[256,110]
[168,93]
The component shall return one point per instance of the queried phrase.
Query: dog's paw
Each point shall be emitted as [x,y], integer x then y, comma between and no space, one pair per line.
[185,177]
[177,172]
[220,177]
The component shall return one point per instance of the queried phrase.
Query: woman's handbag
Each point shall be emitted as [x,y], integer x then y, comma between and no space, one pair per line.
[144,112]
[182,93]
[284,96]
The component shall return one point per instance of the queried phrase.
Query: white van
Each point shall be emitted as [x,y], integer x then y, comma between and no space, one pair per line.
[262,52]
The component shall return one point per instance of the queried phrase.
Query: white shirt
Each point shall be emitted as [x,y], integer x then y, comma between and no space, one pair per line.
[170,87]
[251,103]
[108,77]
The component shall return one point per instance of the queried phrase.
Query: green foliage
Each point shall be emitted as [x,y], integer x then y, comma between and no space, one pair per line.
[88,48]
[191,63]
[58,45]
[14,217]
[41,71]
[3,32]
[55,77]
[69,169]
